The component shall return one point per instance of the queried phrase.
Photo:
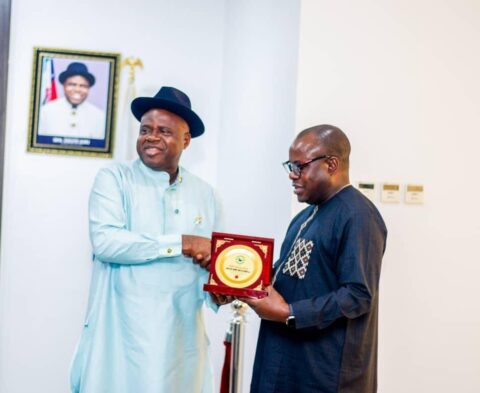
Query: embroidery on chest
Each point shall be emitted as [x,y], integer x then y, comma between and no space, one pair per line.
[297,262]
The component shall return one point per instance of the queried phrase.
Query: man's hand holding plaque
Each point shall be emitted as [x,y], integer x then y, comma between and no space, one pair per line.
[240,265]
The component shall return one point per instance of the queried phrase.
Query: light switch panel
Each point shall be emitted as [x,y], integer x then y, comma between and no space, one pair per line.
[367,189]
[391,193]
[414,193]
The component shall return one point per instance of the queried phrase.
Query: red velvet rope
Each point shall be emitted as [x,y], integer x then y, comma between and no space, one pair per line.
[225,382]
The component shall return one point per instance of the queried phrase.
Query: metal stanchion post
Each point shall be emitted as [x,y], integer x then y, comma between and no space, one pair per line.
[237,328]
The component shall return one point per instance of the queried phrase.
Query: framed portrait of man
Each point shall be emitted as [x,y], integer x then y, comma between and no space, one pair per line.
[73,102]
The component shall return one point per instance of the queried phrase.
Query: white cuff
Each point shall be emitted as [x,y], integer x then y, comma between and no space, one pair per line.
[170,246]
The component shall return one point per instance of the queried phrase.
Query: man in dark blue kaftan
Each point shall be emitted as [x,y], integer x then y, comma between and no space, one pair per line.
[319,322]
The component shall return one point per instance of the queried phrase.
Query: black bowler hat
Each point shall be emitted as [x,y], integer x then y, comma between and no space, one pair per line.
[77,69]
[172,100]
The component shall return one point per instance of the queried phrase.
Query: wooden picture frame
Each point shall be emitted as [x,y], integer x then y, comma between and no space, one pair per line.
[73,102]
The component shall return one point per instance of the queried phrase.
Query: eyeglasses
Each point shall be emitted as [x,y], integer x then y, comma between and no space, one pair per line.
[296,168]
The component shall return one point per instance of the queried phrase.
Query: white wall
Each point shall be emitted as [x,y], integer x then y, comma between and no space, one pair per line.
[258,118]
[45,269]
[401,79]
[236,60]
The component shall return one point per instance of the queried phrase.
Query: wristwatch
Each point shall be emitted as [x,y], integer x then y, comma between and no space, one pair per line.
[290,321]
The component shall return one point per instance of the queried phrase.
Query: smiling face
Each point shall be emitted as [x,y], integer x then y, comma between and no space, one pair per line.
[314,185]
[162,138]
[76,89]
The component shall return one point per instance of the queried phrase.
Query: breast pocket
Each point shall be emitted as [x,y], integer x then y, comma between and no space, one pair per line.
[297,262]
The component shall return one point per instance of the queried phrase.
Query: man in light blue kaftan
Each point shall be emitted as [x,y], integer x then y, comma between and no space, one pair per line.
[144,330]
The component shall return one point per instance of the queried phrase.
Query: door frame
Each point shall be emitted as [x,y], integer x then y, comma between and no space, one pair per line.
[5,16]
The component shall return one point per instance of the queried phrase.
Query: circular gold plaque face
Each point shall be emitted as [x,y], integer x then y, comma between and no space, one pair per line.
[238,266]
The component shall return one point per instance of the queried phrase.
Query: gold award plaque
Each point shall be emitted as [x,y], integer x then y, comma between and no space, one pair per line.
[239,266]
